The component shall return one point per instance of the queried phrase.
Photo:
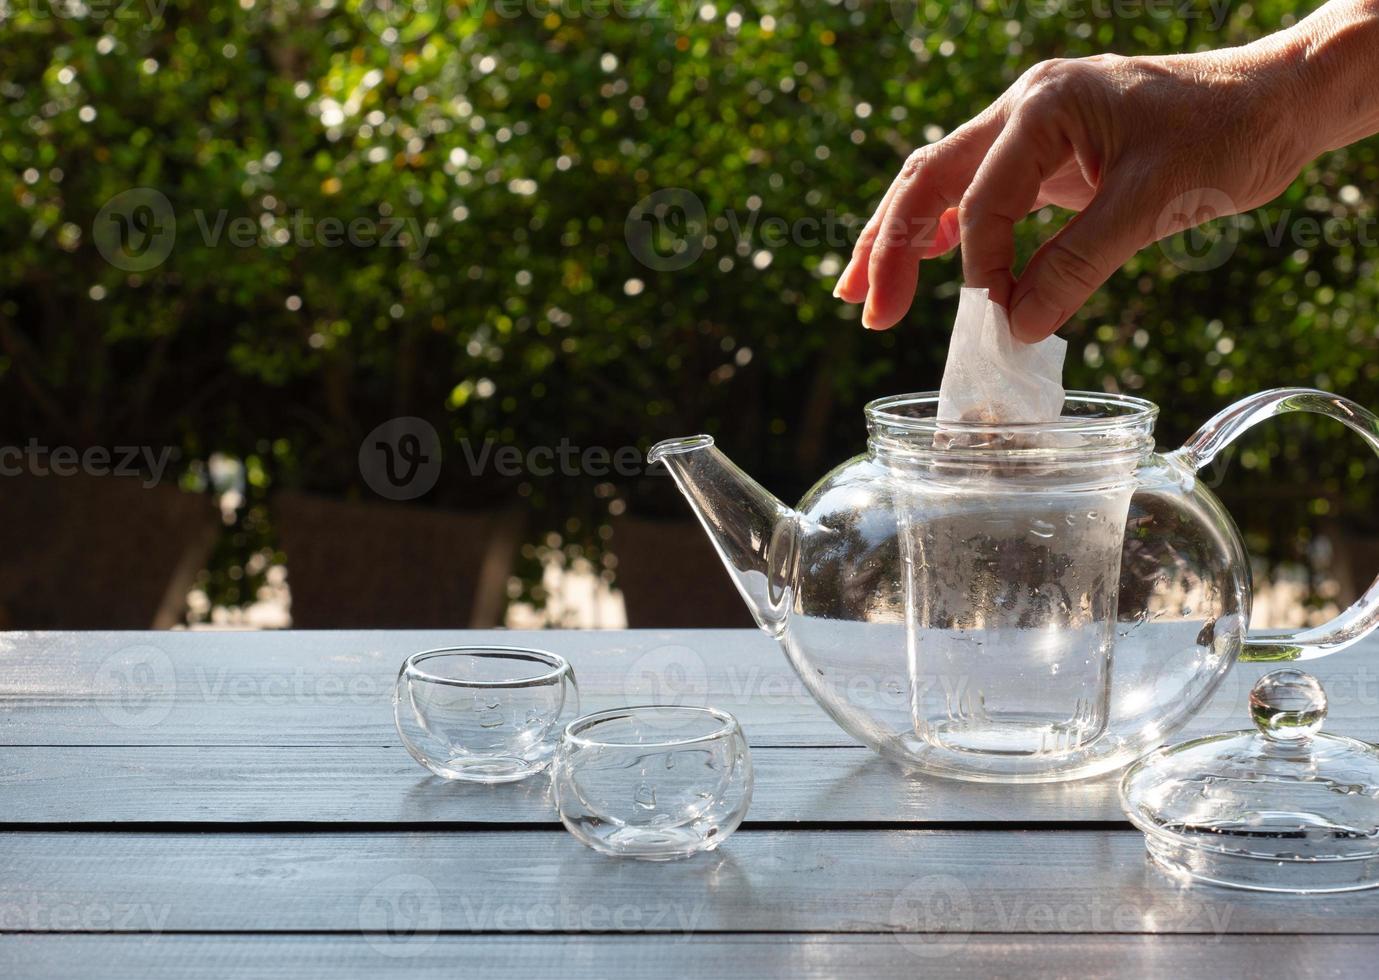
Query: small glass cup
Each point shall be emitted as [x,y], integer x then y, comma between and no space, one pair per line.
[653,782]
[484,714]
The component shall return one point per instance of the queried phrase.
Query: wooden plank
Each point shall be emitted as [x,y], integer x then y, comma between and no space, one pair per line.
[221,784]
[335,687]
[910,881]
[730,957]
[87,665]
[332,688]
[343,726]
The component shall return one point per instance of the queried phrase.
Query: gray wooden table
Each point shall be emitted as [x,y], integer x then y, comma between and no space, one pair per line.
[236,804]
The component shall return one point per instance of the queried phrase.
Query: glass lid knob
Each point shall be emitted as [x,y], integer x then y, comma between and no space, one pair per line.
[1288,705]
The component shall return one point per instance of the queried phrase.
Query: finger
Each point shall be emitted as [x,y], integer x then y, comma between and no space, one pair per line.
[852,284]
[946,237]
[948,233]
[932,182]
[1031,148]
[1073,264]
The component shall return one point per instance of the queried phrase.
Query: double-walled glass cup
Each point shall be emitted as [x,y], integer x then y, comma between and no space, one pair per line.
[653,782]
[484,714]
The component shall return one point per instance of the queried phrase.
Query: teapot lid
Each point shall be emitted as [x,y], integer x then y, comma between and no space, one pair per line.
[1284,808]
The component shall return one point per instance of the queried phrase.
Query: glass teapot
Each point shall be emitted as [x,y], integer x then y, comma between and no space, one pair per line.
[1009,602]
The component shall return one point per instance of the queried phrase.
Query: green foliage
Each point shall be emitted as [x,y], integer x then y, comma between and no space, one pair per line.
[508,148]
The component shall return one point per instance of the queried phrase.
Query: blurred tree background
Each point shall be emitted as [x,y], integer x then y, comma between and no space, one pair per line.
[509,140]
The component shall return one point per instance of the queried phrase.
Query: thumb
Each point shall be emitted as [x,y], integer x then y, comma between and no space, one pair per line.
[1073,264]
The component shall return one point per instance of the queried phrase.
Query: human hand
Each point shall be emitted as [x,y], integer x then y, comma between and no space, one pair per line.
[1141,148]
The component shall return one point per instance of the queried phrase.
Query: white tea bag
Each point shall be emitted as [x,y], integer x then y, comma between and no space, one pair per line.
[992,377]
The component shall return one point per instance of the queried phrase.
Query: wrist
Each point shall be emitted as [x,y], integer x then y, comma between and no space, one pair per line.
[1329,62]
[1264,104]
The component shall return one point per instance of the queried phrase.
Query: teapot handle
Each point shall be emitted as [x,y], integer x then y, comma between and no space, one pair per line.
[1362,617]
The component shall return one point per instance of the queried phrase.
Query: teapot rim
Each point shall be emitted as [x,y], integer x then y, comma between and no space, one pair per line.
[1098,413]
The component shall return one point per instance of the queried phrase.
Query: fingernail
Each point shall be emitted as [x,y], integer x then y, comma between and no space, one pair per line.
[838,288]
[1032,319]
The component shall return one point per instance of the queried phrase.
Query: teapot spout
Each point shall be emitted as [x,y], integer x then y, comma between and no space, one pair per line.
[754,533]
